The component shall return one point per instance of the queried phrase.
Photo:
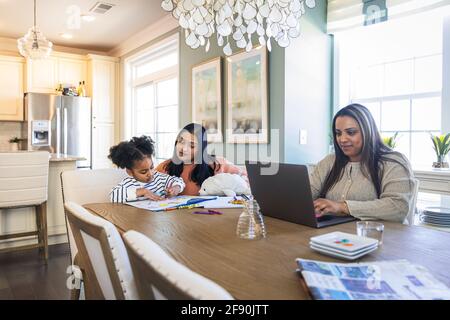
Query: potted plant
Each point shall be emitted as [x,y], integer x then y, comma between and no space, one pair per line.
[441,145]
[391,142]
[15,143]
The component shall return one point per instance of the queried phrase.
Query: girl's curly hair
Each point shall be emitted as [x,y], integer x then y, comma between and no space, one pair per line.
[126,153]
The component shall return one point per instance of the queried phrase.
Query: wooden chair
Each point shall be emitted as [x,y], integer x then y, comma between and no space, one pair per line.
[158,276]
[24,183]
[102,256]
[82,187]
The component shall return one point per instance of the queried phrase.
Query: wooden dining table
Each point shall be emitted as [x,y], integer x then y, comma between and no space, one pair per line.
[265,268]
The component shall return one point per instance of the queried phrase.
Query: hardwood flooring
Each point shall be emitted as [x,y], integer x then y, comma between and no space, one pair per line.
[24,275]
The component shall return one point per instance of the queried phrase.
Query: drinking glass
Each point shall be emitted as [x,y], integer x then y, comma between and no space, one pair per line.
[370,229]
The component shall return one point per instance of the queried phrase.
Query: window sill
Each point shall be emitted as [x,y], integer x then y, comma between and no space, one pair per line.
[433,180]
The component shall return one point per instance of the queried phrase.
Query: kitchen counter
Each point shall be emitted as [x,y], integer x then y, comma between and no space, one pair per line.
[55,157]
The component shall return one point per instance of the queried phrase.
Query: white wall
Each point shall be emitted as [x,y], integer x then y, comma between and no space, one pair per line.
[446,77]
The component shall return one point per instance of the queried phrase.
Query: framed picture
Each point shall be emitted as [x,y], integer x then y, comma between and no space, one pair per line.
[207,98]
[247,96]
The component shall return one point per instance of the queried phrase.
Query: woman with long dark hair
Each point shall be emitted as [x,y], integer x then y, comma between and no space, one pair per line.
[192,162]
[364,178]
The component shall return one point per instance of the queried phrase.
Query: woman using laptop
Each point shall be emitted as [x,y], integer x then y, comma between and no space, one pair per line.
[364,178]
[192,162]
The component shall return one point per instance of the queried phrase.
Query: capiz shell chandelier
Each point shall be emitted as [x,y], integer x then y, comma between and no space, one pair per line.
[238,20]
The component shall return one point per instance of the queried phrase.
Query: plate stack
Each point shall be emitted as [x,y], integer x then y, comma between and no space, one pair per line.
[343,245]
[436,216]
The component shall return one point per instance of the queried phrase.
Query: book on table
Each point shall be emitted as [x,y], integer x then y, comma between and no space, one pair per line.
[209,202]
[383,280]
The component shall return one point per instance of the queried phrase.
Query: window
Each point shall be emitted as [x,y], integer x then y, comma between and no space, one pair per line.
[152,96]
[395,69]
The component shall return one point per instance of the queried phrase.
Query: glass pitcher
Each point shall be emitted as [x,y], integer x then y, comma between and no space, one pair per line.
[251,224]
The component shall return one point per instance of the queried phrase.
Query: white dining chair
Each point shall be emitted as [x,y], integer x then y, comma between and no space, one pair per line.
[102,256]
[24,183]
[409,219]
[82,187]
[160,277]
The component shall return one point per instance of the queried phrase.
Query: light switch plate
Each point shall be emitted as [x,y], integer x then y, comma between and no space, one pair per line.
[303,136]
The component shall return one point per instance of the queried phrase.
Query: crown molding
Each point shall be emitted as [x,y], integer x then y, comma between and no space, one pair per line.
[153,31]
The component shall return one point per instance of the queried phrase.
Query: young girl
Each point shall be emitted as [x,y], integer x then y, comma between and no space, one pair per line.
[191,161]
[143,181]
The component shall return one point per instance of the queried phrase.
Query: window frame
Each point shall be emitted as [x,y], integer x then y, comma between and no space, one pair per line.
[342,83]
[133,83]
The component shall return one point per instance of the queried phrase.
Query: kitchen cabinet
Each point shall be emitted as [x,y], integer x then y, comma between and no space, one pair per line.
[102,141]
[103,88]
[71,71]
[11,88]
[45,75]
[42,75]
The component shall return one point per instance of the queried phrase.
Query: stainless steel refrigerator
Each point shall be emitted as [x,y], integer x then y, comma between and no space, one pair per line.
[59,124]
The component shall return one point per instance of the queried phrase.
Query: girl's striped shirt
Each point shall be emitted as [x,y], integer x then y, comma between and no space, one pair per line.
[125,191]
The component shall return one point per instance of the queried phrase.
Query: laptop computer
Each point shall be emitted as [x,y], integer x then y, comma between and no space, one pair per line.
[286,195]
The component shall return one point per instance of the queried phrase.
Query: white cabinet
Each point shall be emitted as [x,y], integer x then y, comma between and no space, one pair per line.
[42,75]
[11,88]
[71,71]
[102,79]
[102,141]
[45,75]
[102,89]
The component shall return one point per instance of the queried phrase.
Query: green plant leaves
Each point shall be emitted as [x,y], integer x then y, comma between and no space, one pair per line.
[441,144]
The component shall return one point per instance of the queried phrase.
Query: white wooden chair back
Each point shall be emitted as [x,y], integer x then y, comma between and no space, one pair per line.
[88,186]
[409,219]
[107,272]
[23,178]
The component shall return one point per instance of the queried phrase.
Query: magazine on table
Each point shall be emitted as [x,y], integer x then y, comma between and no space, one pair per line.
[383,280]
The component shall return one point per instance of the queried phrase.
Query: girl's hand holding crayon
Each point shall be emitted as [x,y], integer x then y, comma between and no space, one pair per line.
[173,191]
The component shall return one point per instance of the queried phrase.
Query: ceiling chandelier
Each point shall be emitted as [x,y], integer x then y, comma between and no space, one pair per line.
[238,20]
[34,45]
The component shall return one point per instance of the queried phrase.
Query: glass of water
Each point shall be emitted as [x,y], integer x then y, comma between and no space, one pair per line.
[370,229]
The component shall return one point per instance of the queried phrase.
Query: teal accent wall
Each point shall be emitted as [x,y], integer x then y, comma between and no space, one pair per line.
[308,89]
[191,57]
[300,92]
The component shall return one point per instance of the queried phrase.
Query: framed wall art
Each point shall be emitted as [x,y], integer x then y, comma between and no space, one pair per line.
[247,97]
[207,98]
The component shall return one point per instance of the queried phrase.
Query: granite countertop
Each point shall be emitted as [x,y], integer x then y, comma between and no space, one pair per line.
[54,157]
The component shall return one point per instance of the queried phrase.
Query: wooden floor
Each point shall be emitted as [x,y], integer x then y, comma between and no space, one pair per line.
[24,275]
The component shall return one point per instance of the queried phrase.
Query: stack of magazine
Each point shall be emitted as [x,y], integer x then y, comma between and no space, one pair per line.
[384,280]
